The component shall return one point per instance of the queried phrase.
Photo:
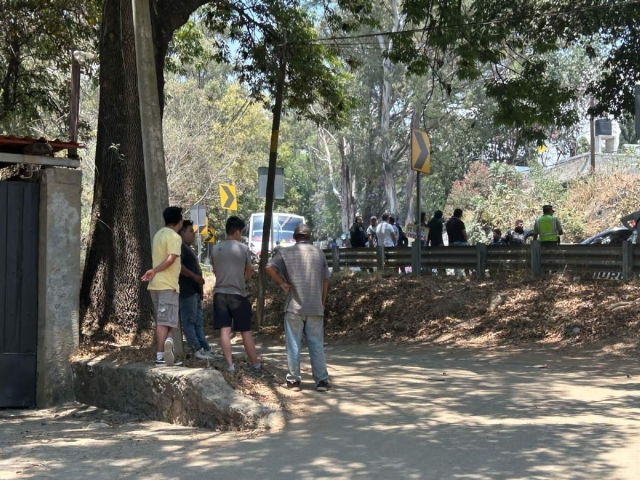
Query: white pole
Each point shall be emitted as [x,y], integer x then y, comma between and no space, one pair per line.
[154,168]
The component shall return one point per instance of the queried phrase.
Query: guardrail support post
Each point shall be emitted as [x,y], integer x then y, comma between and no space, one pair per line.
[536,258]
[416,264]
[481,249]
[627,260]
[335,258]
[380,257]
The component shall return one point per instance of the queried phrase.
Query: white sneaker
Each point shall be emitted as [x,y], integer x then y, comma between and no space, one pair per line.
[169,357]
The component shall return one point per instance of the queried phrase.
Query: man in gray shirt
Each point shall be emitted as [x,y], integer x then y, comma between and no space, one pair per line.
[231,261]
[302,272]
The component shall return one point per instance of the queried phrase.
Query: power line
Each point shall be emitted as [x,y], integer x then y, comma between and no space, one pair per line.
[336,39]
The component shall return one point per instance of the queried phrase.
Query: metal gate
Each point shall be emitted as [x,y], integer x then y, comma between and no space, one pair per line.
[18,293]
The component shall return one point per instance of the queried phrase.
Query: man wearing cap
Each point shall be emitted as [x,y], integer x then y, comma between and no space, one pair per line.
[302,272]
[547,228]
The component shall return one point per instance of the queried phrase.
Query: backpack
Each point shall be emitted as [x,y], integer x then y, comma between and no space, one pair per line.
[372,231]
[403,241]
[516,238]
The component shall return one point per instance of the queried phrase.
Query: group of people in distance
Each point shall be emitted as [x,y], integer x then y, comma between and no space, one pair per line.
[547,229]
[176,286]
[387,232]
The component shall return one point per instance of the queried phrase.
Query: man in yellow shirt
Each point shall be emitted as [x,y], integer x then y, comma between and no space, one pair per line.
[163,283]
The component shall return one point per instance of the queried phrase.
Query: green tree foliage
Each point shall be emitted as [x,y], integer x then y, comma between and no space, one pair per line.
[497,195]
[515,37]
[37,39]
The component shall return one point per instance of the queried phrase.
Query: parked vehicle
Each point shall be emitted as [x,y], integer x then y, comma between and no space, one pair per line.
[611,236]
[615,236]
[282,227]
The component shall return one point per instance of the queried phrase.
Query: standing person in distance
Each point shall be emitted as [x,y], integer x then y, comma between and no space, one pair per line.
[191,294]
[231,262]
[456,230]
[547,228]
[457,233]
[302,272]
[385,233]
[516,236]
[435,227]
[163,283]
[357,235]
[372,237]
[497,237]
[396,231]
[402,239]
[425,224]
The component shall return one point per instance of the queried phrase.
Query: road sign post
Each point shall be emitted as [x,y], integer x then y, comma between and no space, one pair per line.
[420,161]
[199,219]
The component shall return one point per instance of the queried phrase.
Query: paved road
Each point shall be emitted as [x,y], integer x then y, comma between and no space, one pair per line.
[393,414]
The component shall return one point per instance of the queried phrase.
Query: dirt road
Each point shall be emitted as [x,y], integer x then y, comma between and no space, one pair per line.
[415,412]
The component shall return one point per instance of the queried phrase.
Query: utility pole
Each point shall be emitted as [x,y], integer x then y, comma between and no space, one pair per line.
[638,112]
[593,144]
[155,172]
[77,58]
[271,178]
[150,119]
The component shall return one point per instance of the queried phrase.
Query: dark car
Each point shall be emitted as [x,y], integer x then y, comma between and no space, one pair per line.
[611,236]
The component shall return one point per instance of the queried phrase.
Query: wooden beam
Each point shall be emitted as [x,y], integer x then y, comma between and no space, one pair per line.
[16,158]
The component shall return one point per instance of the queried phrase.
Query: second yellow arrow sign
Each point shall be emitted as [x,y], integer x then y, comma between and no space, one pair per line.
[420,152]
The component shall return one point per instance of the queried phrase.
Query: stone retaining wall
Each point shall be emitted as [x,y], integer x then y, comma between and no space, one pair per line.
[187,396]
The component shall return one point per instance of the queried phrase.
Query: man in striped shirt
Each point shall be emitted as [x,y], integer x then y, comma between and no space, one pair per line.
[302,272]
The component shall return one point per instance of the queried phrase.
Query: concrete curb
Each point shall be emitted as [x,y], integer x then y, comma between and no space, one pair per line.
[186,396]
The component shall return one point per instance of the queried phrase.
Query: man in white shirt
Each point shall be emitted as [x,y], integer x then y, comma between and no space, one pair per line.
[385,233]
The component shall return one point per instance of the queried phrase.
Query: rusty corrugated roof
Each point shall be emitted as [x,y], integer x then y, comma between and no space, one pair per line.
[11,144]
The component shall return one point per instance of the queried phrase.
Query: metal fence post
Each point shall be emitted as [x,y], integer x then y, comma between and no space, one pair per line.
[335,258]
[536,258]
[481,250]
[380,257]
[627,260]
[416,266]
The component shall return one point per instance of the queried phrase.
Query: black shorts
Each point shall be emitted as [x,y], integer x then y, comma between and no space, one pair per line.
[231,310]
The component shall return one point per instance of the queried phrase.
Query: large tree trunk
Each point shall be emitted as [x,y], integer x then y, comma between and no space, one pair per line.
[385,133]
[113,299]
[347,200]
[386,103]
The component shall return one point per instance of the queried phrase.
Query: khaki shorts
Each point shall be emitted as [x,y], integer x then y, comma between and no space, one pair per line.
[166,306]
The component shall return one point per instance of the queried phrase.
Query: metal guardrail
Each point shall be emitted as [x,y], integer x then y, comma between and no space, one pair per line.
[537,258]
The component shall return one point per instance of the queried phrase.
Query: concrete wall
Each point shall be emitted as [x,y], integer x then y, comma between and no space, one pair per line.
[58,283]
[580,165]
[187,396]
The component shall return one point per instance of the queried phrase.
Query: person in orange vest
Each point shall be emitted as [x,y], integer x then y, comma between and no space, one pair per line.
[547,228]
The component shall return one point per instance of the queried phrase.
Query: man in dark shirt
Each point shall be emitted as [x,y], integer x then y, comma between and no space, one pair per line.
[358,238]
[191,282]
[435,227]
[457,233]
[456,230]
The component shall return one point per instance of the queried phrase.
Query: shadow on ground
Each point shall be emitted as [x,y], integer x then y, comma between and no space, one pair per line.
[414,412]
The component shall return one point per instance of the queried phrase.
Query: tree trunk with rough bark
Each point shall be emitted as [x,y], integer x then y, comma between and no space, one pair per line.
[347,200]
[113,300]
